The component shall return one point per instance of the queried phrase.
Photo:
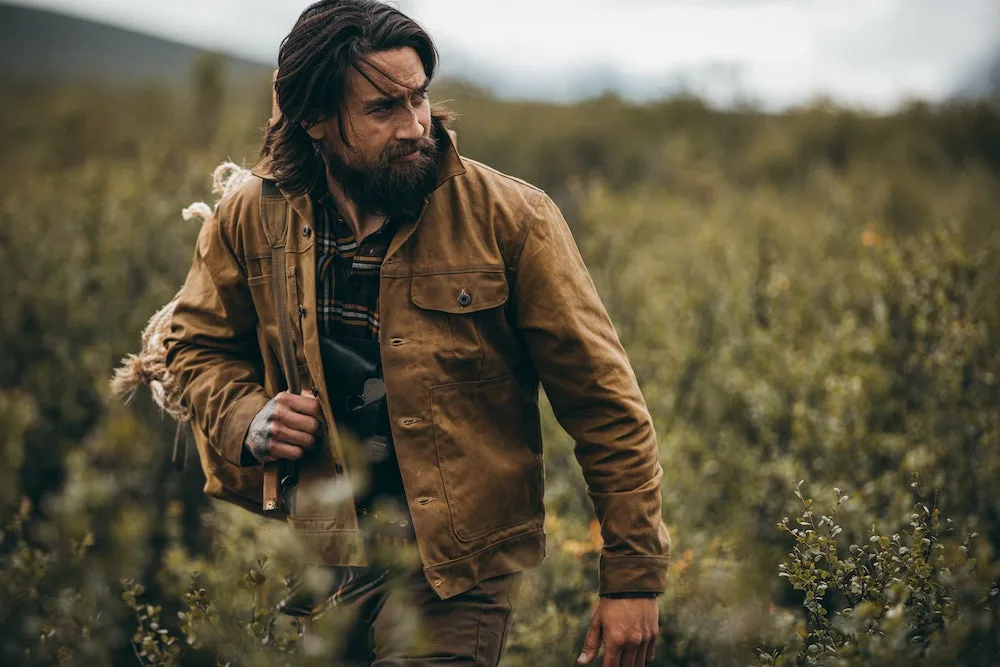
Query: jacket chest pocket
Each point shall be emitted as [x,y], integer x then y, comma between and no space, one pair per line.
[459,309]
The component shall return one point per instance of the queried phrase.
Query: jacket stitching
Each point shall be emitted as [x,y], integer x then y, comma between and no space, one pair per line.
[491,545]
[475,268]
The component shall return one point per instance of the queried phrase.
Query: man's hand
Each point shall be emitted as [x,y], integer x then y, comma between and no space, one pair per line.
[627,628]
[285,428]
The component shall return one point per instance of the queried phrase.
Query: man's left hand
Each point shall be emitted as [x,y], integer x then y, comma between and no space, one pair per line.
[627,628]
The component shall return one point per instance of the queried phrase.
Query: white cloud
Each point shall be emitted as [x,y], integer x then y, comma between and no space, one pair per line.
[867,52]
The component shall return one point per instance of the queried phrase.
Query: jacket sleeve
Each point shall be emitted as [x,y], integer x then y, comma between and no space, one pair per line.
[595,396]
[212,348]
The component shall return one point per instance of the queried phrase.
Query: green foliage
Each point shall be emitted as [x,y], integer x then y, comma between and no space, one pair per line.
[892,600]
[228,606]
[807,296]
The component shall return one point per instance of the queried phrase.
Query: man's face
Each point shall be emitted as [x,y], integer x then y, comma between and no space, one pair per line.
[387,163]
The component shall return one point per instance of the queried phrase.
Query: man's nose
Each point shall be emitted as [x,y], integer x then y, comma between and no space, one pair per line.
[410,128]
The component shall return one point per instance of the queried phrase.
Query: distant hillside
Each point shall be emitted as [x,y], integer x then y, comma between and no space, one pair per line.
[984,81]
[43,46]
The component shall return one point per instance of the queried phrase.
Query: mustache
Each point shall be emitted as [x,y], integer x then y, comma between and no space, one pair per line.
[402,148]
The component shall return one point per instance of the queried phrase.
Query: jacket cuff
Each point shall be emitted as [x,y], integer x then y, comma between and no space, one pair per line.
[237,422]
[633,574]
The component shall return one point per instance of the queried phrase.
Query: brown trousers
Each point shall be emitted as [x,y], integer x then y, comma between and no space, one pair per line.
[403,622]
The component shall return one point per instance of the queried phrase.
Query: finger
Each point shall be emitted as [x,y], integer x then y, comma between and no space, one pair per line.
[305,404]
[652,633]
[290,436]
[629,655]
[296,420]
[284,450]
[591,643]
[612,654]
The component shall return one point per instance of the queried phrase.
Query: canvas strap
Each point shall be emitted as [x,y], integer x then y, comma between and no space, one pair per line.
[274,213]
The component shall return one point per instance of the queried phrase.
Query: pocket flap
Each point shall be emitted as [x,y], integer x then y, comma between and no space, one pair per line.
[460,292]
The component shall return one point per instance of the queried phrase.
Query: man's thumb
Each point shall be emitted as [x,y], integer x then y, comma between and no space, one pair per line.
[591,643]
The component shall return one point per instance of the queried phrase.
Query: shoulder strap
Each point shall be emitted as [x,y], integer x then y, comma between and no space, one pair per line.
[274,212]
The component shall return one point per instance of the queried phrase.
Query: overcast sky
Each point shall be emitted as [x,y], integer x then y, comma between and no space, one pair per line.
[871,53]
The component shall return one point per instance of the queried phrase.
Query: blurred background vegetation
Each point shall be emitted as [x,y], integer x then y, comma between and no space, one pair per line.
[806,296]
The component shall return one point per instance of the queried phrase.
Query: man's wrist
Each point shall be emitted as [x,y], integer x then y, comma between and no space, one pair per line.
[238,421]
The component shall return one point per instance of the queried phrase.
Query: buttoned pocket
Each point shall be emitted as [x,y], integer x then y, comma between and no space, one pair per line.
[462,291]
[458,307]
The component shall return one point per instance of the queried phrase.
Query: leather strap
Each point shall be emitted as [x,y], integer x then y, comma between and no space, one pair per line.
[274,213]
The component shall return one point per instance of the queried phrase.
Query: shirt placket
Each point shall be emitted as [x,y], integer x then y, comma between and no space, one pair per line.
[354,289]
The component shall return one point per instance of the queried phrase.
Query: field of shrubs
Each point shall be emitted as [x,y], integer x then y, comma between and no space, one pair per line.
[809,301]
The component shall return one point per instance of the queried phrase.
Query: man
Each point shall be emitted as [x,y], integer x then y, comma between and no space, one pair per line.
[464,288]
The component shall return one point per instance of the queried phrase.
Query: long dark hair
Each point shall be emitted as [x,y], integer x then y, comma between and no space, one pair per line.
[330,37]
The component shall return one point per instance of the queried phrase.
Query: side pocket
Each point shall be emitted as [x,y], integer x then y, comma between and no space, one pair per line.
[486,434]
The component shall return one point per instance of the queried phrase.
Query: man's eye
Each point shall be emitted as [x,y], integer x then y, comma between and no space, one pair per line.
[383,108]
[420,96]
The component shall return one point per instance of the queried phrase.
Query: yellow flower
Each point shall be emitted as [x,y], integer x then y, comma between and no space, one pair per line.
[870,237]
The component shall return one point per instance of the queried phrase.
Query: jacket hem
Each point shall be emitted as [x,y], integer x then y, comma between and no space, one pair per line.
[513,554]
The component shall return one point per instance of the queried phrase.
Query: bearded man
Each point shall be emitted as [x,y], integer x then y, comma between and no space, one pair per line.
[464,290]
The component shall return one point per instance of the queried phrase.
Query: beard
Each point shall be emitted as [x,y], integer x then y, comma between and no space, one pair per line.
[391,187]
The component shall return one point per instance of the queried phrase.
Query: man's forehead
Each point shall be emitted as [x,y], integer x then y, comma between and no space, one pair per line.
[390,73]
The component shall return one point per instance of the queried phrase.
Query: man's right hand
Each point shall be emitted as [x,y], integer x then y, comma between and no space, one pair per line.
[286,428]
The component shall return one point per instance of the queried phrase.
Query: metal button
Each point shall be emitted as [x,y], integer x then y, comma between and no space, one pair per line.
[464,298]
[410,421]
[302,310]
[307,230]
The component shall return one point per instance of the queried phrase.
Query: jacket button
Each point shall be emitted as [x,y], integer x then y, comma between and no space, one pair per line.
[464,298]
[306,231]
[338,468]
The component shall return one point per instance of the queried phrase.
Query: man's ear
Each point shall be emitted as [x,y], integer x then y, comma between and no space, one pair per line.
[318,131]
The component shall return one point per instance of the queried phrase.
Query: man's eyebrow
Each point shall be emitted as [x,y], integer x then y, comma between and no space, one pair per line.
[383,99]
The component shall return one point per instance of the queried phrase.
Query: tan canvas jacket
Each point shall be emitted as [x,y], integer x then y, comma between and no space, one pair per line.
[480,299]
